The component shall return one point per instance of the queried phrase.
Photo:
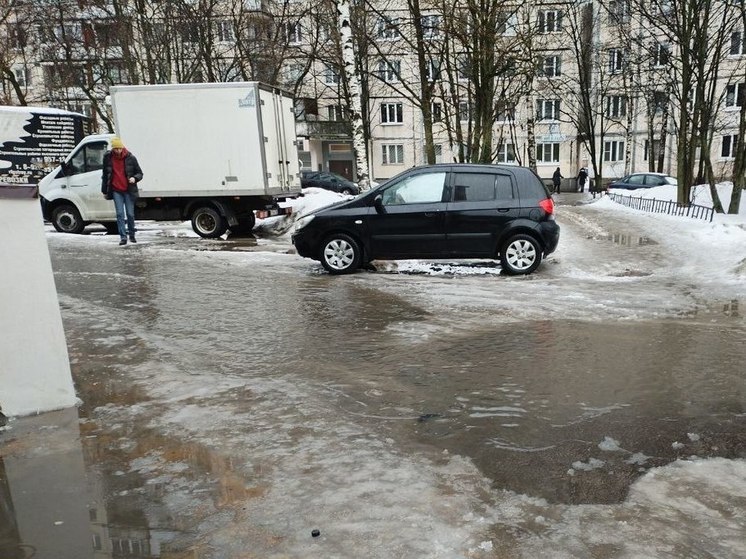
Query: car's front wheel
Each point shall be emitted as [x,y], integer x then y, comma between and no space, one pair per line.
[66,219]
[340,254]
[520,254]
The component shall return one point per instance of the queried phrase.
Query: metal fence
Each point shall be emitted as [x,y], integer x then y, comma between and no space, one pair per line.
[664,206]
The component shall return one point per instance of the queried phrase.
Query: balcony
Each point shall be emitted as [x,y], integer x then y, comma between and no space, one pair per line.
[323,129]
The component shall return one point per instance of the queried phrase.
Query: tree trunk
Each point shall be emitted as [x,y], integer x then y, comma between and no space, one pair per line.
[353,83]
[531,134]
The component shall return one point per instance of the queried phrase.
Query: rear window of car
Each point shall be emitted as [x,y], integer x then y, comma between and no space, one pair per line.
[481,187]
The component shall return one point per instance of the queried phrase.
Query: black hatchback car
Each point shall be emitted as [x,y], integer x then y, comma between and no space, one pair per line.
[437,211]
[328,181]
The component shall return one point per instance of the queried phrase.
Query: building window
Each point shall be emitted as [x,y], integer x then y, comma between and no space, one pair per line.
[616,106]
[437,112]
[618,11]
[661,54]
[728,149]
[224,31]
[734,95]
[548,152]
[464,111]
[389,70]
[294,71]
[22,76]
[736,43]
[117,72]
[506,153]
[18,36]
[660,101]
[616,61]
[548,109]
[462,67]
[387,28]
[430,26]
[437,148]
[505,111]
[294,32]
[551,66]
[432,70]
[392,113]
[393,154]
[507,24]
[438,153]
[656,149]
[331,76]
[550,21]
[614,150]
[334,112]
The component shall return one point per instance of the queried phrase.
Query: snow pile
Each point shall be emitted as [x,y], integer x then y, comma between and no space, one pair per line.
[311,200]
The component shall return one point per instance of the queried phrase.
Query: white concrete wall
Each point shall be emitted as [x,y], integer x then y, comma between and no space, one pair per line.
[34,366]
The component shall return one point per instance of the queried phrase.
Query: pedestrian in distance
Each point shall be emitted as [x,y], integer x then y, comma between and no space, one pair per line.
[557,180]
[582,178]
[119,180]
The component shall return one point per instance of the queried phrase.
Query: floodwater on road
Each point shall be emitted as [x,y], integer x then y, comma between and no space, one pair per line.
[234,398]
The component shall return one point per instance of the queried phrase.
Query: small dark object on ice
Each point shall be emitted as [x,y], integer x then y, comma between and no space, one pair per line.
[315,533]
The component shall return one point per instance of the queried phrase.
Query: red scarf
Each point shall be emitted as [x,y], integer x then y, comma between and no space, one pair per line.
[118,176]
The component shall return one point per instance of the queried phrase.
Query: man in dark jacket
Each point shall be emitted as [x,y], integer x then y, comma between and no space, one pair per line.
[119,180]
[582,177]
[557,180]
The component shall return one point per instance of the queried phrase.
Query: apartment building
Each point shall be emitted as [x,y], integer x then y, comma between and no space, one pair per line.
[561,84]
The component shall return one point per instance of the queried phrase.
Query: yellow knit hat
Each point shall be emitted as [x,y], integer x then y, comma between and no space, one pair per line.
[116,143]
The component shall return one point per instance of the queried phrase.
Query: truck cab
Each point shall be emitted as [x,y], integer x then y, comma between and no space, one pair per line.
[71,194]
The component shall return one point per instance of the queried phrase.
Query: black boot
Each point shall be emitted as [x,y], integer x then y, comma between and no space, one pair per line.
[123,241]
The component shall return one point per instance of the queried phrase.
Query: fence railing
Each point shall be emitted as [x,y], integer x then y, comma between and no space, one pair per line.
[664,206]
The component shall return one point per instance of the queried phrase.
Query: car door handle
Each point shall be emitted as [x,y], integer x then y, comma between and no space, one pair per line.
[503,210]
[431,214]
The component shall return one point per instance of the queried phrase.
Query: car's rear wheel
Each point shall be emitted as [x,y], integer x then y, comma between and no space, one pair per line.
[66,219]
[340,254]
[520,254]
[208,223]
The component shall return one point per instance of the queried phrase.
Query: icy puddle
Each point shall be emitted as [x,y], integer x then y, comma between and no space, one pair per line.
[541,439]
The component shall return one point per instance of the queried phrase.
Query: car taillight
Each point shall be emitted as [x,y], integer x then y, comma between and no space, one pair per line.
[547,204]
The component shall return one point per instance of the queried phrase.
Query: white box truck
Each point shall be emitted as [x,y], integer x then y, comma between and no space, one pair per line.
[33,140]
[218,154]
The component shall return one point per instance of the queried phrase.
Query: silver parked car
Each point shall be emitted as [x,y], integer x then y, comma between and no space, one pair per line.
[643,180]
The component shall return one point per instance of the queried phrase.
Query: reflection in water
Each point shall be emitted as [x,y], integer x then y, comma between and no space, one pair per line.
[625,239]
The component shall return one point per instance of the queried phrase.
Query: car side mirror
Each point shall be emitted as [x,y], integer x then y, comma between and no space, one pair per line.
[378,204]
[65,169]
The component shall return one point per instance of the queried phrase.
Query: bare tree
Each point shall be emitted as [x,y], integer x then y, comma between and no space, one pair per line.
[697,31]
[739,165]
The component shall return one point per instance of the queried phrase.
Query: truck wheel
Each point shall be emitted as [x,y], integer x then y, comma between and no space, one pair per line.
[208,223]
[66,219]
[520,254]
[245,225]
[340,254]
